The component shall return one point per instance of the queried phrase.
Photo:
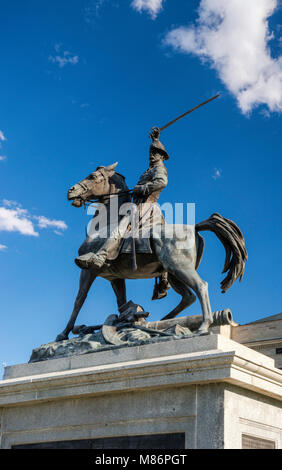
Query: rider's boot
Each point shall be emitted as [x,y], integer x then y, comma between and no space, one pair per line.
[161,287]
[97,260]
[91,260]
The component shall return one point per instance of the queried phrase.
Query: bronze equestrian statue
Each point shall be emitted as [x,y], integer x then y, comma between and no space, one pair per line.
[160,255]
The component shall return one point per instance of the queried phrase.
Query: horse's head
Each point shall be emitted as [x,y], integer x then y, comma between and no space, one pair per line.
[96,185]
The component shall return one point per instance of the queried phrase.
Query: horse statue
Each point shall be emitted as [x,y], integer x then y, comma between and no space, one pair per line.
[103,185]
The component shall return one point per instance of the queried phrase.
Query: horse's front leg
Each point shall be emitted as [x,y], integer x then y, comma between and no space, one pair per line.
[87,277]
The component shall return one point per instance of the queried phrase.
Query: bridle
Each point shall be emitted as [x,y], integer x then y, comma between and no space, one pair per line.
[86,188]
[83,186]
[103,196]
[99,199]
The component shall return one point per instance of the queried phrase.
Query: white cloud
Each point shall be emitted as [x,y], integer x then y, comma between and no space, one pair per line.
[64,58]
[16,220]
[233,37]
[2,158]
[2,137]
[153,7]
[3,247]
[13,218]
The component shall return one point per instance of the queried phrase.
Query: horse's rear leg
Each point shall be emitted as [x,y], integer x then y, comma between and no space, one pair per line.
[187,297]
[200,287]
[87,278]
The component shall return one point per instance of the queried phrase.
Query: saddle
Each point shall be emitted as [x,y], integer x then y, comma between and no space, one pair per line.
[142,245]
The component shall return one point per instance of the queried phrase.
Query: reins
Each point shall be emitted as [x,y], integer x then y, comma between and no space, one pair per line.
[94,201]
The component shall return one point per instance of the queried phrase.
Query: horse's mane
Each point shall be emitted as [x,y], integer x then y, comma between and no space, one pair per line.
[118,180]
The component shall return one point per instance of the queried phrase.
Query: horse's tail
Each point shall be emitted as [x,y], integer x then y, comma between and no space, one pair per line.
[233,241]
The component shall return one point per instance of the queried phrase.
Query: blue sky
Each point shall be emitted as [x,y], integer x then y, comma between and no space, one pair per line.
[81,84]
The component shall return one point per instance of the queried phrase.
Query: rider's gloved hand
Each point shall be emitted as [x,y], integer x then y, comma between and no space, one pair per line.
[155,133]
[140,190]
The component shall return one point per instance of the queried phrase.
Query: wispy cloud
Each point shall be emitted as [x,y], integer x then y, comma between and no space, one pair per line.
[3,247]
[216,174]
[2,158]
[13,218]
[233,38]
[2,137]
[82,105]
[10,203]
[153,7]
[44,222]
[92,10]
[63,58]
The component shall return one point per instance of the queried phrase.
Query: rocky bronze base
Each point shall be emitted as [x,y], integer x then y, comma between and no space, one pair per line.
[91,343]
[130,328]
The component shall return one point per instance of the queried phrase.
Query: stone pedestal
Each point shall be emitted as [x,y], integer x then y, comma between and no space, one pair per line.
[203,392]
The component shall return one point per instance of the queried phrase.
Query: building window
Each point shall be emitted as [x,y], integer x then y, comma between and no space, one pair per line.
[251,442]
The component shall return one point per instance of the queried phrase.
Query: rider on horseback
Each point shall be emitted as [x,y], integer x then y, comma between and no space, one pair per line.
[147,191]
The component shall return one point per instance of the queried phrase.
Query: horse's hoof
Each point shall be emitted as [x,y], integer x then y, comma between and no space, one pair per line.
[203,330]
[61,337]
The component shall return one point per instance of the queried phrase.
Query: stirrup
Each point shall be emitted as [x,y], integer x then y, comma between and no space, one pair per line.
[159,295]
[160,289]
